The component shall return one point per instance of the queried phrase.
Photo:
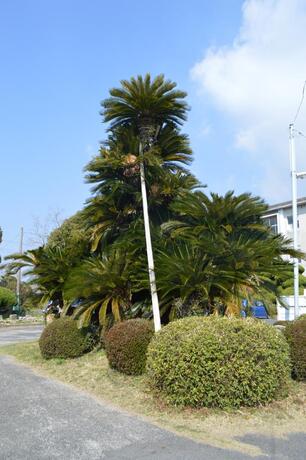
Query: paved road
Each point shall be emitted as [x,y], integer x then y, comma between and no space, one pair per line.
[44,419]
[12,334]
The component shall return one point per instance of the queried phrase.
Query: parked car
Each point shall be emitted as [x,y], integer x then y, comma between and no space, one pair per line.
[257,310]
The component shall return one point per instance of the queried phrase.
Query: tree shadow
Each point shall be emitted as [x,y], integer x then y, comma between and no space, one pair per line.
[290,447]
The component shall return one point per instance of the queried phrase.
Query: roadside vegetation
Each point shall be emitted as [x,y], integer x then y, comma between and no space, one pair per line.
[7,300]
[211,253]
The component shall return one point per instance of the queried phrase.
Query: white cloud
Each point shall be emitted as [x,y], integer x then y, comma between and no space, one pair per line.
[257,81]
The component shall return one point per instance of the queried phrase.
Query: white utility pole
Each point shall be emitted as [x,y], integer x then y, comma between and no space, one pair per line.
[294,177]
[18,286]
[154,296]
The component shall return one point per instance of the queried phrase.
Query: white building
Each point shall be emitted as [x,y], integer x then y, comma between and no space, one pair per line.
[279,217]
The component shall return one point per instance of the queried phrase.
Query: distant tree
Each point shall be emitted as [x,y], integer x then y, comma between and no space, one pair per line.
[287,287]
[71,237]
[28,298]
[43,227]
[47,269]
[7,300]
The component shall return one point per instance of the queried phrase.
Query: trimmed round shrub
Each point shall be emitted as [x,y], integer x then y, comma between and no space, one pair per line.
[218,362]
[126,345]
[295,334]
[63,339]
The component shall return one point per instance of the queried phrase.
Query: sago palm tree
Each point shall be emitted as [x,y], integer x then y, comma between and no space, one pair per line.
[201,216]
[218,276]
[114,174]
[146,105]
[110,218]
[244,257]
[47,269]
[104,284]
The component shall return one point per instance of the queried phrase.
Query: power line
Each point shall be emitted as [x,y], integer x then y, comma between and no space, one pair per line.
[300,133]
[300,105]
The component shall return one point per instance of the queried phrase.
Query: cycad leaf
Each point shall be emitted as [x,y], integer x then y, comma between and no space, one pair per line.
[103,311]
[116,309]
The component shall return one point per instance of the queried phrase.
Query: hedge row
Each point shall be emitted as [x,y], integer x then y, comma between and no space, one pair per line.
[197,361]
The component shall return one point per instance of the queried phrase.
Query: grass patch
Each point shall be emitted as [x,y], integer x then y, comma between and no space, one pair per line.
[215,427]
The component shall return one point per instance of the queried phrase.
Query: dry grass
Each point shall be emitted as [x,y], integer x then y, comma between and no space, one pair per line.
[215,427]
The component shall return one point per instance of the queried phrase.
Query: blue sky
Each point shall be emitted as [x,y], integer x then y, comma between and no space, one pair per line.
[59,58]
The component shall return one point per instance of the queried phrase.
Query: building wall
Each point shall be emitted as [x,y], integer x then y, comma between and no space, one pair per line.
[288,314]
[284,224]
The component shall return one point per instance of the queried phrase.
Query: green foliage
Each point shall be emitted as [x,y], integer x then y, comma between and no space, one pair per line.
[143,109]
[71,237]
[63,339]
[295,333]
[287,286]
[104,284]
[47,268]
[126,345]
[117,204]
[7,300]
[28,299]
[218,362]
[210,251]
[143,101]
[220,250]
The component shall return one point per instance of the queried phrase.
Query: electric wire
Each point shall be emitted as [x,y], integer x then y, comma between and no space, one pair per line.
[300,133]
[300,105]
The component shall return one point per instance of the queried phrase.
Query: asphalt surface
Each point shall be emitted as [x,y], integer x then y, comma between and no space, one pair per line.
[41,418]
[16,334]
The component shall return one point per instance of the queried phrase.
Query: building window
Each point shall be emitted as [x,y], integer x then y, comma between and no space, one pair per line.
[271,221]
[290,221]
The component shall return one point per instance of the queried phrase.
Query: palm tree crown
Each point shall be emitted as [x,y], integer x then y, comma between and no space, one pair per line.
[146,104]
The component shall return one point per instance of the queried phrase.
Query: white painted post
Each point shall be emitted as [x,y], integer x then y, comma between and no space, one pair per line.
[294,218]
[154,296]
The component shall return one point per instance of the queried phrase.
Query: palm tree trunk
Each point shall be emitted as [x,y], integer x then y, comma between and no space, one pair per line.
[154,296]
